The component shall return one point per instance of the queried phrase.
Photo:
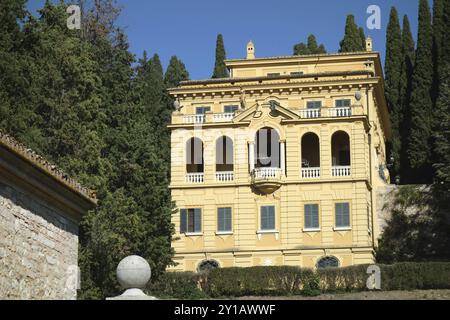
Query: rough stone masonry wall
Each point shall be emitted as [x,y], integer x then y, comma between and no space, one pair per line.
[38,249]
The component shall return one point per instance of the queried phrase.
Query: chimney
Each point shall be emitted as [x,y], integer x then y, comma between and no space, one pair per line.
[369,44]
[250,50]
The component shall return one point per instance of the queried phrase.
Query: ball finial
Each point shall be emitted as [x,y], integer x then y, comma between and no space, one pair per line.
[133,272]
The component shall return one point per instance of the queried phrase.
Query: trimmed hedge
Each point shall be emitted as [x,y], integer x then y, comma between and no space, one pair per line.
[289,280]
[177,285]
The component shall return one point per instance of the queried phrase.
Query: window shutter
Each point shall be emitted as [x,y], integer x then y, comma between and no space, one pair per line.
[342,215]
[197,220]
[227,219]
[272,218]
[315,216]
[224,219]
[267,218]
[308,222]
[183,221]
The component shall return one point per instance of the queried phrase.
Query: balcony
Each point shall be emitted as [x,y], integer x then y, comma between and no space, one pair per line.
[267,180]
[223,117]
[310,173]
[225,176]
[325,113]
[341,171]
[195,178]
[194,119]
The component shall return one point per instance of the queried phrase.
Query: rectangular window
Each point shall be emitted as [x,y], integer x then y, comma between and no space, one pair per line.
[231,109]
[311,216]
[314,104]
[342,103]
[202,110]
[268,218]
[342,215]
[296,73]
[274,74]
[191,220]
[224,220]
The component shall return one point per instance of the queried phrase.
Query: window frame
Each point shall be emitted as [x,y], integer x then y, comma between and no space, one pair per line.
[311,228]
[207,108]
[235,108]
[268,230]
[342,99]
[185,230]
[224,232]
[314,101]
[349,226]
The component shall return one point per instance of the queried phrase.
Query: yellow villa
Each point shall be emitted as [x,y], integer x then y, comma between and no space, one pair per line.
[280,163]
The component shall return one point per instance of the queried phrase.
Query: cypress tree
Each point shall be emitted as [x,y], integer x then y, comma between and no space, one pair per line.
[442,134]
[408,57]
[175,73]
[352,40]
[363,38]
[438,33]
[220,70]
[419,146]
[392,72]
[310,48]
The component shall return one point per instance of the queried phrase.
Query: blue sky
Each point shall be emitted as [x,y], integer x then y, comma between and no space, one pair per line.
[188,29]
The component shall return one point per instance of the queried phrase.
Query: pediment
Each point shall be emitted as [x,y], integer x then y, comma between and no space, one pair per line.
[266,109]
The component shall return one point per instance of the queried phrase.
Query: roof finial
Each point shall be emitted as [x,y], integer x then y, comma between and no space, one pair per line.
[250,50]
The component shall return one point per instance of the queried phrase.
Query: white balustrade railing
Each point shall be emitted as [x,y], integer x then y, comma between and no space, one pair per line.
[267,173]
[340,112]
[226,176]
[223,117]
[309,113]
[195,177]
[310,173]
[341,171]
[194,119]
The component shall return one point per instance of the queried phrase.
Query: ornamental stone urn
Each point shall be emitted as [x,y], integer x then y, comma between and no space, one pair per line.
[133,274]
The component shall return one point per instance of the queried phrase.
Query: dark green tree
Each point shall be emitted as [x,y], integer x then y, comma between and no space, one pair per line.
[220,69]
[352,40]
[175,73]
[310,48]
[392,72]
[363,37]
[438,34]
[420,142]
[408,57]
[442,133]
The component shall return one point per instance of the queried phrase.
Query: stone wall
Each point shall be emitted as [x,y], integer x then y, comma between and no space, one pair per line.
[38,248]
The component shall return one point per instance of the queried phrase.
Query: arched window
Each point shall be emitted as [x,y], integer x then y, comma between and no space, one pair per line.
[340,149]
[207,265]
[267,151]
[194,156]
[310,151]
[224,154]
[328,262]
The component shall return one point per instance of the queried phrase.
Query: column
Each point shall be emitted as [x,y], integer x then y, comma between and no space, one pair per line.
[283,157]
[251,156]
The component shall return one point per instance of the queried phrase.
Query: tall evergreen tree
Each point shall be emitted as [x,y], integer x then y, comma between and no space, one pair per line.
[438,34]
[363,38]
[310,48]
[419,145]
[408,57]
[442,134]
[220,70]
[175,73]
[392,72]
[352,40]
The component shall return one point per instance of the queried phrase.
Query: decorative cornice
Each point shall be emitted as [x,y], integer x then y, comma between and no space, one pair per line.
[51,170]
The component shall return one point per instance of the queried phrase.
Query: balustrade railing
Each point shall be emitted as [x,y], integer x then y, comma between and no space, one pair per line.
[310,113]
[224,176]
[341,171]
[194,119]
[310,173]
[267,173]
[195,177]
[223,117]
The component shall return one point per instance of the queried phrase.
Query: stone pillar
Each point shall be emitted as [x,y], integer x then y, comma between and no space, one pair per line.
[251,155]
[283,157]
[133,274]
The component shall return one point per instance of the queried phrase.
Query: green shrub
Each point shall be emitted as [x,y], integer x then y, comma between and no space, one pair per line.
[289,280]
[343,279]
[176,285]
[415,276]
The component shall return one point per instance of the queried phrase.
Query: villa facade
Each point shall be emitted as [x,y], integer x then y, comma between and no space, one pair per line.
[279,164]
